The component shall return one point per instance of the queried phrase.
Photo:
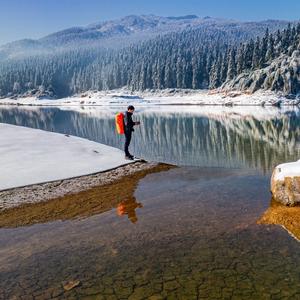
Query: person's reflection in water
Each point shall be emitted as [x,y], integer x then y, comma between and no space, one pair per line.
[128,208]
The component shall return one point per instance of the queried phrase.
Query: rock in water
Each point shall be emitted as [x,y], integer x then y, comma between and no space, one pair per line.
[285,183]
[71,284]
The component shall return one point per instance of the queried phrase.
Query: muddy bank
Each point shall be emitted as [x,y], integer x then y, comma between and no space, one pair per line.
[74,198]
[285,216]
[51,190]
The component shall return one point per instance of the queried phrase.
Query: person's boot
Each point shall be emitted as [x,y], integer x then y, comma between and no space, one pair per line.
[129,157]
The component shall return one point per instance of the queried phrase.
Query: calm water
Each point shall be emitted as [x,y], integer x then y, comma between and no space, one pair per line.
[196,235]
[188,136]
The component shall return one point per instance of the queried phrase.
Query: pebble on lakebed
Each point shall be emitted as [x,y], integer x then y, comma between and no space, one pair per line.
[285,183]
[71,284]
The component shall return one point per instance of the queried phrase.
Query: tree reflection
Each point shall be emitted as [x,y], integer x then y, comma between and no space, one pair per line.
[195,138]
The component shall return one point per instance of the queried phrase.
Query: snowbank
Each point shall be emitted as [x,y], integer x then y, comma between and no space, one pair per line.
[29,156]
[285,183]
[287,170]
[163,97]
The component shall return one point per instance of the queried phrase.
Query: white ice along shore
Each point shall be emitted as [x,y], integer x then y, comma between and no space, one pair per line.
[162,97]
[29,156]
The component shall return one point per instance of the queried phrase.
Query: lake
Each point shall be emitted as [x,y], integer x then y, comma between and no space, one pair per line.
[195,233]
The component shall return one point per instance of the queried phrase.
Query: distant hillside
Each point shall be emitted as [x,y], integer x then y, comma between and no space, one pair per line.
[128,30]
[188,53]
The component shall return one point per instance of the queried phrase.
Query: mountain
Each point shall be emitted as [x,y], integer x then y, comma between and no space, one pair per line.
[128,30]
[150,52]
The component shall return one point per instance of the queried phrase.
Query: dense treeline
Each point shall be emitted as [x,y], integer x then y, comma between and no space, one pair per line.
[193,59]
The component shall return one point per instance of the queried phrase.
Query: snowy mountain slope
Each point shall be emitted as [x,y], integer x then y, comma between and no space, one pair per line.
[151,53]
[282,74]
[130,29]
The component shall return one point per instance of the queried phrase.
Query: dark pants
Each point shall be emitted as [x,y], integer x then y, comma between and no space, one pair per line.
[128,135]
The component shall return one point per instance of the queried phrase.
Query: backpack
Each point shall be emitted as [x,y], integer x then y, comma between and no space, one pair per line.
[120,123]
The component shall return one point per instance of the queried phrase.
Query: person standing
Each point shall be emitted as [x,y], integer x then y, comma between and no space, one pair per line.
[128,129]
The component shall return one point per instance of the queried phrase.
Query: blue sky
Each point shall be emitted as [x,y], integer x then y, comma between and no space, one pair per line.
[36,18]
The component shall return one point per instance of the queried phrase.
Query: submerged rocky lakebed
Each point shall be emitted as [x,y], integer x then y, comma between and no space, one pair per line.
[185,233]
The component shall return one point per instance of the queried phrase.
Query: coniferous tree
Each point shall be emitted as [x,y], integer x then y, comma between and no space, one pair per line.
[270,49]
[256,54]
[231,72]
[263,49]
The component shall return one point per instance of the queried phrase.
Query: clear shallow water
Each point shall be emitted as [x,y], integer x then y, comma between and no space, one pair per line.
[196,235]
[195,238]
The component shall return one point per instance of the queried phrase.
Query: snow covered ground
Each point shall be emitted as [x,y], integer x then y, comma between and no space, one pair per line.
[29,156]
[163,97]
[291,169]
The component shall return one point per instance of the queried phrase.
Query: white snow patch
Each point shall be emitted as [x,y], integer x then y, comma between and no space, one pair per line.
[29,156]
[163,97]
[291,169]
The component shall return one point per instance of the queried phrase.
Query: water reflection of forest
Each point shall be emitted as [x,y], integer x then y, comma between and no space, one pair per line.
[185,138]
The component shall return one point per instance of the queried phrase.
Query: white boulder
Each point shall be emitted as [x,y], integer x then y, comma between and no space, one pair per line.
[285,183]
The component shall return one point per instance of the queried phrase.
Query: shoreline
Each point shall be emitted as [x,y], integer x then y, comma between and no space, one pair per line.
[157,104]
[160,97]
[31,156]
[73,198]
[49,190]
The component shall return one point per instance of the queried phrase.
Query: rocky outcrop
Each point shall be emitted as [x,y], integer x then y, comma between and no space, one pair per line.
[285,183]
[283,74]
